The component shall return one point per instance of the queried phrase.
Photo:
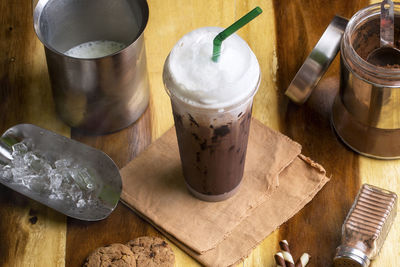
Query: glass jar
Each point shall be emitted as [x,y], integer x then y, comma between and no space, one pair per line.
[366,113]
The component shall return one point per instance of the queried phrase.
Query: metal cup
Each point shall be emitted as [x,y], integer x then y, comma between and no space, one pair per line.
[103,94]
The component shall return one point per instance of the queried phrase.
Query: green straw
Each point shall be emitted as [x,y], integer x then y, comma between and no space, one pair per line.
[231,29]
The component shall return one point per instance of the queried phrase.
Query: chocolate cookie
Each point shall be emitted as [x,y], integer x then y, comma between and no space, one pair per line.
[116,255]
[151,251]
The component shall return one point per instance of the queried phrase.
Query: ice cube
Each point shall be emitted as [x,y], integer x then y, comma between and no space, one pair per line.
[75,193]
[46,167]
[26,179]
[30,157]
[35,164]
[81,203]
[5,173]
[63,163]
[88,178]
[82,178]
[58,195]
[19,174]
[65,181]
[18,162]
[19,149]
[36,183]
[55,181]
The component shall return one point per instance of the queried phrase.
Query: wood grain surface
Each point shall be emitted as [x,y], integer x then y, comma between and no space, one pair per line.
[30,233]
[282,37]
[309,125]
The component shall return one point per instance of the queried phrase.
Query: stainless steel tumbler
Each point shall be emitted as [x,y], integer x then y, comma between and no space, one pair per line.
[96,95]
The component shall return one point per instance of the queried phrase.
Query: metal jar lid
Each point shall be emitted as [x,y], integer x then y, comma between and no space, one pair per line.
[317,62]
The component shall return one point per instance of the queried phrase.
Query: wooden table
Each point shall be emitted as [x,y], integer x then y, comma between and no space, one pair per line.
[282,37]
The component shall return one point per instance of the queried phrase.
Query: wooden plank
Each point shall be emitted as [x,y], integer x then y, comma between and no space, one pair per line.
[384,174]
[183,17]
[317,228]
[162,32]
[169,21]
[122,225]
[260,36]
[32,234]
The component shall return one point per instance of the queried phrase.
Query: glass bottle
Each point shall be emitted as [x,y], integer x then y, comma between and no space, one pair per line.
[366,226]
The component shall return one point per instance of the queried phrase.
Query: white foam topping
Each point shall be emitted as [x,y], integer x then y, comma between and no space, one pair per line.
[95,49]
[191,75]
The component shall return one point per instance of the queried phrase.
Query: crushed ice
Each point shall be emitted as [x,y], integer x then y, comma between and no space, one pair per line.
[61,180]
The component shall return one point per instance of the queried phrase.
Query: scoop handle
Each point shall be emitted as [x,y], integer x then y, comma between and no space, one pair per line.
[5,152]
[387,23]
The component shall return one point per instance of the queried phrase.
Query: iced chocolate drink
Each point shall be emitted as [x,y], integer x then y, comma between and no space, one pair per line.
[211,103]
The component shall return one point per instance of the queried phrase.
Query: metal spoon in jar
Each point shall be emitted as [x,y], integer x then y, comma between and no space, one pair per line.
[386,54]
[70,177]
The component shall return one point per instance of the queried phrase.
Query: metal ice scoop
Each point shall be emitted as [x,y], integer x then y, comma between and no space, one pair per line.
[70,177]
[386,54]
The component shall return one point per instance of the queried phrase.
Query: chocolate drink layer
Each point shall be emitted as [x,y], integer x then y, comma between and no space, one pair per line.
[366,226]
[213,147]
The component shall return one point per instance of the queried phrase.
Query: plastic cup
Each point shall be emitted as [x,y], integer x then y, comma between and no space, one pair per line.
[212,142]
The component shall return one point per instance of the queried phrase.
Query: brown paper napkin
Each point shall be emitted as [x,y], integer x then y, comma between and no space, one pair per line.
[222,233]
[153,184]
[300,182]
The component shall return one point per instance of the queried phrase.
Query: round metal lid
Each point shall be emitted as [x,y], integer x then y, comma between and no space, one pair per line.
[317,62]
